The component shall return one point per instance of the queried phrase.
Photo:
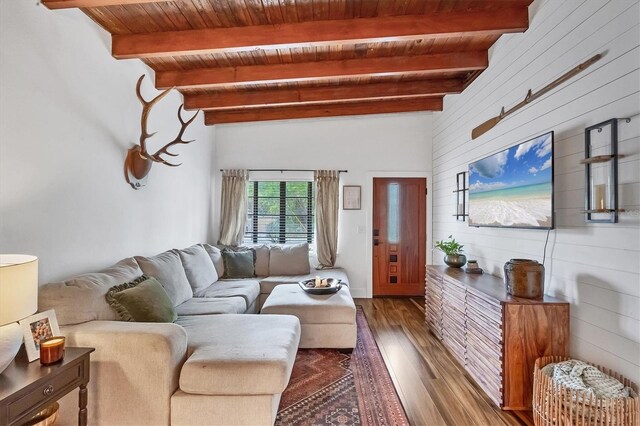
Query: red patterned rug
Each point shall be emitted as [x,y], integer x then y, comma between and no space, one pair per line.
[328,387]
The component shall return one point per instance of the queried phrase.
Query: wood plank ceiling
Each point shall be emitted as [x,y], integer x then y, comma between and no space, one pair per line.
[255,60]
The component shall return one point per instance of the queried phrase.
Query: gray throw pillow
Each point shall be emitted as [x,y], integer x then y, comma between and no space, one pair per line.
[142,300]
[198,267]
[238,264]
[167,269]
[289,260]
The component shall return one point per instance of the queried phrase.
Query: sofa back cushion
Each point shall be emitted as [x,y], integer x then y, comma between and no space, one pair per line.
[263,254]
[82,298]
[289,260]
[198,267]
[167,269]
[141,300]
[216,257]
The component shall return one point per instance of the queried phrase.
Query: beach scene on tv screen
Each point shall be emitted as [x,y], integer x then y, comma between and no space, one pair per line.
[513,187]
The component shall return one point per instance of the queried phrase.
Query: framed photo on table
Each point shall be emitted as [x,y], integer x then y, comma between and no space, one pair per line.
[37,328]
[351,197]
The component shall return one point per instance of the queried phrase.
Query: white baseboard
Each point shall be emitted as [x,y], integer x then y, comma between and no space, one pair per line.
[358,293]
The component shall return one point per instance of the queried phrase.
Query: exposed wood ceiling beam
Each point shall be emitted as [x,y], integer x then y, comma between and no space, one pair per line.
[321,94]
[66,4]
[330,110]
[318,33]
[323,70]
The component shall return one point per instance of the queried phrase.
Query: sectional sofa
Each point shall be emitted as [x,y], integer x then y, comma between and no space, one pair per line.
[212,366]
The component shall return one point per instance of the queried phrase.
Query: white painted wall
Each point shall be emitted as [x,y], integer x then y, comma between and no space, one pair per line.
[366,146]
[594,266]
[68,114]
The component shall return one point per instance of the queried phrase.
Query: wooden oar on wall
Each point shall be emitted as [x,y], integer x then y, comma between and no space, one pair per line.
[491,123]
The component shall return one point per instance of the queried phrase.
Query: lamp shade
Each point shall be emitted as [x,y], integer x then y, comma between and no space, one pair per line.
[18,287]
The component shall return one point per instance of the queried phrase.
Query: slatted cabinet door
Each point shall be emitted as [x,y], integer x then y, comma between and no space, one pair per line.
[484,343]
[453,318]
[433,303]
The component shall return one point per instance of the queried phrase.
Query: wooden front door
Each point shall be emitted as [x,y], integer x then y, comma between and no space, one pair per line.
[399,236]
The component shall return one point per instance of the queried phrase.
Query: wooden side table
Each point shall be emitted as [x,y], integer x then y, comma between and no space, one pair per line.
[27,388]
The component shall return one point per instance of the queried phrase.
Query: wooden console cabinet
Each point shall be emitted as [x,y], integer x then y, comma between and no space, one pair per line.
[496,337]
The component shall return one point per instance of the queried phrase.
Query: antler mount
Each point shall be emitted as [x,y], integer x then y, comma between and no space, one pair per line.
[139,161]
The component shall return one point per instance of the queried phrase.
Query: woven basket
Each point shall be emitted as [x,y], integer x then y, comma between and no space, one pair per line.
[557,405]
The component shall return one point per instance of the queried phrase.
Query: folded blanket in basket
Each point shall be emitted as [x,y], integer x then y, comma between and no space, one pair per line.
[579,375]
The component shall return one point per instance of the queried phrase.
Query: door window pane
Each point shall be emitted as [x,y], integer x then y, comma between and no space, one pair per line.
[393,215]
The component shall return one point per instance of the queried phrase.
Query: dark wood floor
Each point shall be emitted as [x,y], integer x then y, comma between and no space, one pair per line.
[433,387]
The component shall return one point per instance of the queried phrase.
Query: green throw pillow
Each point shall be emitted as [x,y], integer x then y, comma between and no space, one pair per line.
[238,264]
[142,300]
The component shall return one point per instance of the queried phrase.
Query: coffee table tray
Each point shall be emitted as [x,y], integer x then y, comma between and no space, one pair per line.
[334,286]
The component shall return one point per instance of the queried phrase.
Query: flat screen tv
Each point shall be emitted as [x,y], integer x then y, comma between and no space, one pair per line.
[514,188]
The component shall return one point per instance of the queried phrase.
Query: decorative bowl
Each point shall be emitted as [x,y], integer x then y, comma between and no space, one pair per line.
[46,417]
[309,286]
[455,260]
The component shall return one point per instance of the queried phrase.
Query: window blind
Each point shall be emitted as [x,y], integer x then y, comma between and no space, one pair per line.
[280,212]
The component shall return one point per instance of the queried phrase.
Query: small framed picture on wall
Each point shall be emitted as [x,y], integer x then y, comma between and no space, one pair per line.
[351,197]
[36,328]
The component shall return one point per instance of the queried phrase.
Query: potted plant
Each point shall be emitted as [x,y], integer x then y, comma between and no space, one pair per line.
[453,252]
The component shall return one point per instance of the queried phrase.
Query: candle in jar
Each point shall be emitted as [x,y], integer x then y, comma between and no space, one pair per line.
[51,350]
[600,196]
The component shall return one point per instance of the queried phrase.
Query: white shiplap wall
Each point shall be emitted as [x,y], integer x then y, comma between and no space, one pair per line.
[594,266]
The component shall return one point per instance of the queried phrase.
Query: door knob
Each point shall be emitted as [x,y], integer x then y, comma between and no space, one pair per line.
[376,242]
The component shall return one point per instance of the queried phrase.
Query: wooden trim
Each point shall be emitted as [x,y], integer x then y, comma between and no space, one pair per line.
[67,4]
[318,33]
[323,94]
[310,111]
[323,70]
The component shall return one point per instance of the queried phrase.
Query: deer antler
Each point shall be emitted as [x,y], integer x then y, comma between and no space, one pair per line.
[146,108]
[178,140]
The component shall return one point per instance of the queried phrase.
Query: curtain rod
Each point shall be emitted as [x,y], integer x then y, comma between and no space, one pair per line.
[286,170]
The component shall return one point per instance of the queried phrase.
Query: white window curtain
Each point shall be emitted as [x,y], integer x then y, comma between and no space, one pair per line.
[327,204]
[233,207]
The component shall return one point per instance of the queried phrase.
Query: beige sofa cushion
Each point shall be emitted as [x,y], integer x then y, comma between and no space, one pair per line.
[82,298]
[198,267]
[289,260]
[239,354]
[212,306]
[167,269]
[269,283]
[216,257]
[337,308]
[248,289]
[262,260]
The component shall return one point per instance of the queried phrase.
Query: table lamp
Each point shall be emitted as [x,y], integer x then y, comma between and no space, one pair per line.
[18,300]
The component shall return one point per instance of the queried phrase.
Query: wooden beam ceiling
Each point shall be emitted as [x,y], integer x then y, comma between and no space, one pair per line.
[331,110]
[323,70]
[319,33]
[321,94]
[67,4]
[258,60]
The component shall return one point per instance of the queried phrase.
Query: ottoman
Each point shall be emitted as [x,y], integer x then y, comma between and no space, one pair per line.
[327,321]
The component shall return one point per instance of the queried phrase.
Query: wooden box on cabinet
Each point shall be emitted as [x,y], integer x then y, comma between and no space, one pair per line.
[495,336]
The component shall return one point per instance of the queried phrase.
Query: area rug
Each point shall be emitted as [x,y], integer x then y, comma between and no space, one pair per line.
[328,387]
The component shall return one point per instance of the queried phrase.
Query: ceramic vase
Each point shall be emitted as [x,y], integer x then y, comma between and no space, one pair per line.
[524,278]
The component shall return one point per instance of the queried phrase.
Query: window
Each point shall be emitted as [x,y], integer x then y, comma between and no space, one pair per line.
[280,212]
